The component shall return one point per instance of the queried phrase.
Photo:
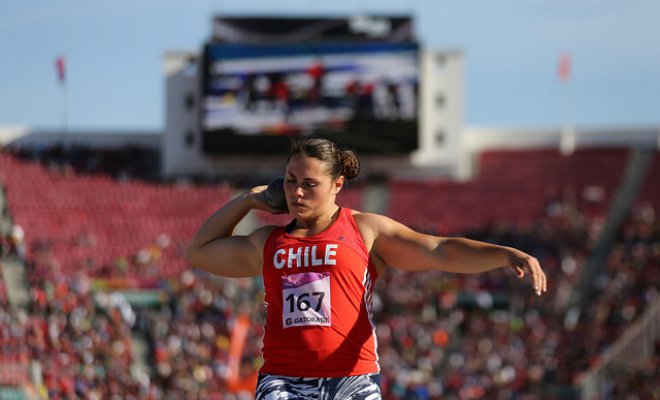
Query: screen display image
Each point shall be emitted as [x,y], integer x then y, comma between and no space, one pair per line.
[363,94]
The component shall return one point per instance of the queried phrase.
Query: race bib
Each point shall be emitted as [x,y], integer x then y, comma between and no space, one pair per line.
[306,299]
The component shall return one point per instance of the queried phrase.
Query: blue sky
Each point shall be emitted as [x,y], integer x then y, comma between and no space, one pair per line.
[114,51]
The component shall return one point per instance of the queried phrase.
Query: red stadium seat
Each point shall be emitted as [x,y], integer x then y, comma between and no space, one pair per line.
[513,187]
[94,216]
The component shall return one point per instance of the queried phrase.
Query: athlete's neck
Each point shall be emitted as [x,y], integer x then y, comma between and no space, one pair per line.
[317,224]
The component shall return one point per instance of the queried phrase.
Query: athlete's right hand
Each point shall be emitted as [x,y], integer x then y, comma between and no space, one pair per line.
[257,198]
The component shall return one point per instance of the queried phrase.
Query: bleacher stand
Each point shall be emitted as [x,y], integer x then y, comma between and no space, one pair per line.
[441,336]
[14,361]
[512,187]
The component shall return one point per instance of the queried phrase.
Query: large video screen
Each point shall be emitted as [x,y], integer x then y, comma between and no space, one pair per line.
[362,94]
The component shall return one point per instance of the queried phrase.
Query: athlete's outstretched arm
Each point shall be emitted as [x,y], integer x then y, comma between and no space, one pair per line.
[404,248]
[215,249]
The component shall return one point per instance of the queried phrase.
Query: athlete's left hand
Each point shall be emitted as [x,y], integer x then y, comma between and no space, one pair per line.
[520,262]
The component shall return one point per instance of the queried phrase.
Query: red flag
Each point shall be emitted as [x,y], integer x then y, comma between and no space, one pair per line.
[60,65]
[564,67]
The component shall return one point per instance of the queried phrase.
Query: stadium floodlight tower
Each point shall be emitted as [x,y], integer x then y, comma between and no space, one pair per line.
[442,108]
[180,153]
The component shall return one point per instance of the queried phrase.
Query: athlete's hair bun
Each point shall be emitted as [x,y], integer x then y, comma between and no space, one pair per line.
[350,164]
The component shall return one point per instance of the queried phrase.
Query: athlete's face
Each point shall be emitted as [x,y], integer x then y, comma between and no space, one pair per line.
[309,187]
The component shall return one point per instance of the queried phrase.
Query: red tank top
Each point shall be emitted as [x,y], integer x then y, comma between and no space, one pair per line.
[319,319]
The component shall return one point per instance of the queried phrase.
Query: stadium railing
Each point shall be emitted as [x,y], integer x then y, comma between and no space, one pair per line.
[634,347]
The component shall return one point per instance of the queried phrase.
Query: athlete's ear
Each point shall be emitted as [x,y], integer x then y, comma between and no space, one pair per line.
[338,184]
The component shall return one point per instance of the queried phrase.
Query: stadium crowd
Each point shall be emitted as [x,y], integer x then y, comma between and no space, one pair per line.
[441,336]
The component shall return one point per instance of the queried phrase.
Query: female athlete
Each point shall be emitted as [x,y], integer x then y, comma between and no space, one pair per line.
[319,273]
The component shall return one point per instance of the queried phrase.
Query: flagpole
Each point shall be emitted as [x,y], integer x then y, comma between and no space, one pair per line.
[65,112]
[567,141]
[568,135]
[60,66]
